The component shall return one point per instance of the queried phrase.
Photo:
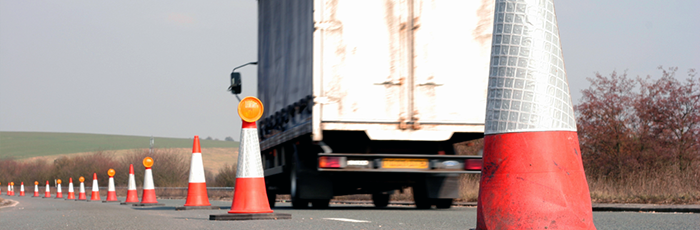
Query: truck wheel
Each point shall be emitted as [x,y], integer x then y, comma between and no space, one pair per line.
[380,200]
[297,202]
[443,203]
[420,197]
[271,198]
[320,203]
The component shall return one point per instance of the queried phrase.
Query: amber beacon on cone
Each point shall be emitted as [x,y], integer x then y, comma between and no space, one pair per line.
[250,196]
[532,176]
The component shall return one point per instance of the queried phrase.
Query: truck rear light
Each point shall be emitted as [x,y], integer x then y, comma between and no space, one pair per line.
[331,162]
[472,164]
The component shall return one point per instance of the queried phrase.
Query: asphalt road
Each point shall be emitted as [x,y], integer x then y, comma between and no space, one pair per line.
[39,213]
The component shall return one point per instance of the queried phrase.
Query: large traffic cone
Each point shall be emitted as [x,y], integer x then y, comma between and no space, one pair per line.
[532,176]
[47,194]
[250,197]
[197,197]
[71,193]
[36,189]
[59,193]
[111,193]
[148,197]
[81,193]
[131,193]
[21,189]
[95,189]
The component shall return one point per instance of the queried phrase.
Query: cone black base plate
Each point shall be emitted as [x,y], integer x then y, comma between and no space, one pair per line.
[80,200]
[112,201]
[128,203]
[197,208]
[149,204]
[251,216]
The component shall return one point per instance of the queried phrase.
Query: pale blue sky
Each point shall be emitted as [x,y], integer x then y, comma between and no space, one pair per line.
[161,67]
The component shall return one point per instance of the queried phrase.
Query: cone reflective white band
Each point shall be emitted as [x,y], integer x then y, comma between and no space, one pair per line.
[21,188]
[528,87]
[132,182]
[47,188]
[197,169]
[58,190]
[148,180]
[95,186]
[82,187]
[70,187]
[248,166]
[111,184]
[36,187]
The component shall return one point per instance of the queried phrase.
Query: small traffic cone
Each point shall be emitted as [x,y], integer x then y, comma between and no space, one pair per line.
[148,197]
[47,194]
[250,197]
[36,189]
[12,188]
[81,193]
[532,175]
[21,189]
[131,193]
[71,193]
[59,193]
[111,193]
[197,197]
[95,189]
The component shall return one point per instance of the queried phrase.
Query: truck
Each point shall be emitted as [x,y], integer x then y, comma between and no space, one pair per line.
[370,97]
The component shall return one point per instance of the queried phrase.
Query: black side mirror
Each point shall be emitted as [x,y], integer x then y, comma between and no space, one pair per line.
[236,83]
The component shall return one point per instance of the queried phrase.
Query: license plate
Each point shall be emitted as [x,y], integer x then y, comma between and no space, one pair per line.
[404,163]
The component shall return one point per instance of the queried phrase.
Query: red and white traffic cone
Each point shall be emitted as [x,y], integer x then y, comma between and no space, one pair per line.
[95,189]
[59,193]
[12,188]
[0,189]
[36,189]
[111,193]
[131,193]
[532,175]
[250,197]
[71,193]
[47,194]
[21,189]
[81,193]
[148,197]
[197,197]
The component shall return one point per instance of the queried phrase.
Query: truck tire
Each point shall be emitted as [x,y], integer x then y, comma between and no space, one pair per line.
[443,203]
[380,200]
[271,198]
[320,203]
[420,197]
[297,202]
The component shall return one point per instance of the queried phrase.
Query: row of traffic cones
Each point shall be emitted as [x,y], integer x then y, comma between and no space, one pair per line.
[250,198]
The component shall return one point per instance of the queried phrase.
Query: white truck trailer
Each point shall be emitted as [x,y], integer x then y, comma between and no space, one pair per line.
[370,96]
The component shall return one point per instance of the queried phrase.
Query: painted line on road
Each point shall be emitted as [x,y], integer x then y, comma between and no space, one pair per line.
[348,220]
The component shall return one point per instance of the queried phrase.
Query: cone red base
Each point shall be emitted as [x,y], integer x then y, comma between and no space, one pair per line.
[95,196]
[47,195]
[82,196]
[21,193]
[36,194]
[533,180]
[197,195]
[111,196]
[71,196]
[59,195]
[149,196]
[250,196]
[131,196]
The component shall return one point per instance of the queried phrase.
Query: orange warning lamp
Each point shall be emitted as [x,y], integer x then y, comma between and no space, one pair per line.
[111,172]
[36,182]
[12,183]
[250,109]
[81,179]
[58,181]
[148,162]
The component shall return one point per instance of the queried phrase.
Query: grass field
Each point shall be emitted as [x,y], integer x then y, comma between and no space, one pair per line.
[24,145]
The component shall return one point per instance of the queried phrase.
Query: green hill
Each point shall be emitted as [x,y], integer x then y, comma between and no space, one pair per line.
[20,145]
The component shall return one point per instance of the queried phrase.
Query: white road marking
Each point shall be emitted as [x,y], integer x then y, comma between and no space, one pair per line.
[348,220]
